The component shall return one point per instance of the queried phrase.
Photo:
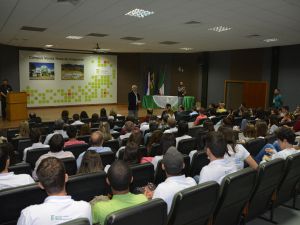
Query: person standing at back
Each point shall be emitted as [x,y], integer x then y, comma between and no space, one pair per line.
[277,99]
[133,102]
[5,88]
[181,91]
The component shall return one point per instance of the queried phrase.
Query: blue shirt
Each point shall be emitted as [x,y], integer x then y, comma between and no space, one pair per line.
[98,149]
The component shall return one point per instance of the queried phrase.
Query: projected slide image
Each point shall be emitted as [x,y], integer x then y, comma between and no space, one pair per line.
[72,72]
[41,71]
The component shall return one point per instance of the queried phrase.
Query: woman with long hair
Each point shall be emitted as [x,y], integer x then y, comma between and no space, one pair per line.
[91,162]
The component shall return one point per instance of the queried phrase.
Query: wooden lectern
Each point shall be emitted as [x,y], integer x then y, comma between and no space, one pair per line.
[16,108]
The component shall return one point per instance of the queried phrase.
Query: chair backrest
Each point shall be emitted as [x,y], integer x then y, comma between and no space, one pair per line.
[79,221]
[14,200]
[187,209]
[236,189]
[271,138]
[119,123]
[87,186]
[20,168]
[70,166]
[142,175]
[22,144]
[113,144]
[116,135]
[77,149]
[85,138]
[254,146]
[15,142]
[34,154]
[291,176]
[107,158]
[155,150]
[143,151]
[199,160]
[268,177]
[153,212]
[11,133]
[185,146]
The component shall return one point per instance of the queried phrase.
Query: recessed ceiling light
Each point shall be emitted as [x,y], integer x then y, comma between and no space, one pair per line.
[140,13]
[137,43]
[48,46]
[74,37]
[271,39]
[186,49]
[219,28]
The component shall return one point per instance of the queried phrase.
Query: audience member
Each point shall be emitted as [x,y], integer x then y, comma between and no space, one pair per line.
[91,162]
[194,111]
[221,108]
[84,115]
[245,120]
[95,118]
[76,119]
[153,126]
[168,111]
[33,118]
[261,129]
[72,133]
[104,127]
[58,129]
[112,113]
[172,126]
[128,128]
[200,117]
[180,114]
[85,130]
[24,130]
[103,113]
[248,134]
[65,116]
[131,153]
[183,129]
[273,124]
[154,139]
[58,207]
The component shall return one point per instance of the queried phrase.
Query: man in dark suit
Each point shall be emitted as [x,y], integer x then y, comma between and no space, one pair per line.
[5,88]
[133,102]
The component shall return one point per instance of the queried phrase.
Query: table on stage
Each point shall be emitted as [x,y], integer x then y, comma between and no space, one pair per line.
[159,101]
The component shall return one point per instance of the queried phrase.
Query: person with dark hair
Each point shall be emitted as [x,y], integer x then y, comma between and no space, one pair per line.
[181,92]
[119,178]
[153,126]
[103,113]
[134,100]
[72,133]
[194,111]
[76,119]
[65,116]
[35,137]
[273,124]
[9,179]
[58,207]
[277,99]
[5,88]
[172,164]
[85,129]
[218,168]
[246,117]
[94,118]
[84,115]
[261,129]
[32,118]
[183,130]
[201,117]
[91,162]
[58,129]
[56,144]
[128,128]
[131,153]
[208,125]
[180,114]
[168,111]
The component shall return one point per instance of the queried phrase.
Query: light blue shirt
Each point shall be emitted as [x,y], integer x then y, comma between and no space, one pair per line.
[98,149]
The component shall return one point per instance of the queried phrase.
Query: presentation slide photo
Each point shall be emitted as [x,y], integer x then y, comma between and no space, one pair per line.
[41,71]
[72,72]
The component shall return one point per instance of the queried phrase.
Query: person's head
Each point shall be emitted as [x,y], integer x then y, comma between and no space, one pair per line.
[58,124]
[168,106]
[72,132]
[181,108]
[134,88]
[129,125]
[131,153]
[85,129]
[285,109]
[276,91]
[228,134]
[167,140]
[104,127]
[208,125]
[173,162]
[119,177]
[155,137]
[136,137]
[202,111]
[84,115]
[103,112]
[56,143]
[35,135]
[261,128]
[153,125]
[181,83]
[24,129]
[273,120]
[52,175]
[249,131]
[183,128]
[221,105]
[95,118]
[215,145]
[113,113]
[171,122]
[4,159]
[5,82]
[65,114]
[76,117]
[96,139]
[32,115]
[286,137]
[91,162]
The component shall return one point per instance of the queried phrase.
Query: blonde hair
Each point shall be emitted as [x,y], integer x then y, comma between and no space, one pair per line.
[24,129]
[249,131]
[105,129]
[91,162]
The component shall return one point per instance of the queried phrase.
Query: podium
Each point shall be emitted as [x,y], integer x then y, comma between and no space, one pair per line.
[16,107]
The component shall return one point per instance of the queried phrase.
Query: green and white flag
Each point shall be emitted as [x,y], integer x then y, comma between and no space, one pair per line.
[161,84]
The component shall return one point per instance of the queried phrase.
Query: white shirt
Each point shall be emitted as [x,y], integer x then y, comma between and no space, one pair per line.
[182,138]
[33,146]
[167,189]
[11,180]
[49,136]
[171,130]
[283,154]
[144,127]
[155,160]
[238,157]
[77,122]
[216,170]
[55,210]
[127,135]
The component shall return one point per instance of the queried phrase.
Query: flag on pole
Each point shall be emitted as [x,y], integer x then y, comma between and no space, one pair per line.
[148,84]
[161,84]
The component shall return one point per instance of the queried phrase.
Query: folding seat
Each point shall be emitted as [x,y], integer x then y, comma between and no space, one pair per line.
[22,144]
[107,158]
[20,168]
[235,191]
[77,149]
[120,118]
[153,212]
[15,142]
[155,150]
[194,205]
[79,221]
[85,138]
[113,144]
[185,146]
[199,160]
[254,146]
[70,166]
[34,154]
[142,175]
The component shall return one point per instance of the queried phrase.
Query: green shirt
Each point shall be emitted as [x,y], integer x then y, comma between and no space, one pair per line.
[101,209]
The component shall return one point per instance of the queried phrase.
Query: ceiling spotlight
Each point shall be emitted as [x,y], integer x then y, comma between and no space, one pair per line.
[140,13]
[48,46]
[186,49]
[219,28]
[137,43]
[271,40]
[74,37]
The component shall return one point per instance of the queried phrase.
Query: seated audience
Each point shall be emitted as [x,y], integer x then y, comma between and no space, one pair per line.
[65,116]
[154,139]
[180,114]
[9,179]
[218,167]
[96,142]
[72,133]
[91,162]
[221,108]
[35,137]
[172,126]
[128,128]
[33,118]
[148,116]
[119,177]
[58,207]
[261,129]
[246,117]
[58,129]
[168,111]
[173,165]
[94,118]
[135,137]
[85,130]
[131,154]
[208,125]
[200,117]
[103,113]
[273,124]
[76,120]
[248,133]
[24,130]
[194,111]
[153,126]
[83,115]
[183,130]
[56,144]
[104,127]
[112,114]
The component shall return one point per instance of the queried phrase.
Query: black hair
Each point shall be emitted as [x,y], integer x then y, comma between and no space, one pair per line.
[103,112]
[71,131]
[208,125]
[168,105]
[35,134]
[274,120]
[215,141]
[84,115]
[167,140]
[76,117]
[183,128]
[4,156]
[119,175]
[228,134]
[153,125]
[131,153]
[95,118]
[56,143]
[287,134]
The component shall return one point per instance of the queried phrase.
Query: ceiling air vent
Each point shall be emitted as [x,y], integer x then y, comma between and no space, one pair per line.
[131,38]
[36,29]
[168,42]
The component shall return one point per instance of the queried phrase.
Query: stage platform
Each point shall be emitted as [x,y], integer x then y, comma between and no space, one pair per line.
[53,113]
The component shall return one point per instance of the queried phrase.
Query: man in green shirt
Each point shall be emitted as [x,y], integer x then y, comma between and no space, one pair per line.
[119,177]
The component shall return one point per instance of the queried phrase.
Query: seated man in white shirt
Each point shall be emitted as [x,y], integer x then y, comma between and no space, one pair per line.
[218,168]
[96,142]
[58,129]
[35,136]
[58,207]
[9,179]
[76,119]
[56,144]
[172,126]
[173,165]
[183,129]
